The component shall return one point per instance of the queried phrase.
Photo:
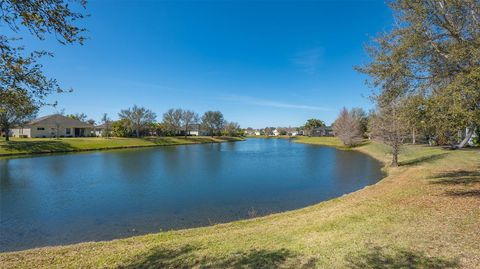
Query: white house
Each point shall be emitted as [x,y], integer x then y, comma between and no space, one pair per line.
[100,130]
[276,132]
[52,126]
[196,130]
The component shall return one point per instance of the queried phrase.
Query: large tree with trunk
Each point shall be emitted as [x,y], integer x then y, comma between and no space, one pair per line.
[389,125]
[16,108]
[434,47]
[347,127]
[137,118]
[189,118]
[173,120]
[312,124]
[232,129]
[22,74]
[213,122]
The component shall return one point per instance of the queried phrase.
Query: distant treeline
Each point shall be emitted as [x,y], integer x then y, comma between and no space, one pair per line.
[139,121]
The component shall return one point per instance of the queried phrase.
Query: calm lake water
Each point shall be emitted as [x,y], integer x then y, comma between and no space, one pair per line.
[61,199]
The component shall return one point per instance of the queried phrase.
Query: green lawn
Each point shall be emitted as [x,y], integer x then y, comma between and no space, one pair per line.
[18,146]
[424,214]
[324,140]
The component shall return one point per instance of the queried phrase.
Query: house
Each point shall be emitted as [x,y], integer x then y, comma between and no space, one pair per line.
[195,130]
[322,131]
[257,132]
[53,126]
[291,131]
[276,132]
[100,130]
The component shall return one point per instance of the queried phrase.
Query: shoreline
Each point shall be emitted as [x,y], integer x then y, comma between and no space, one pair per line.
[183,141]
[411,200]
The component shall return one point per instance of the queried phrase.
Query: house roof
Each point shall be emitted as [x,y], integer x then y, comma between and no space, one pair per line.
[103,125]
[59,119]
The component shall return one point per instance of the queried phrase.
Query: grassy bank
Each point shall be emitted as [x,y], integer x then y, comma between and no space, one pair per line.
[22,146]
[425,214]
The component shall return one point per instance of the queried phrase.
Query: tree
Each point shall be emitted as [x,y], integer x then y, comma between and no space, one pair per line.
[21,71]
[16,108]
[232,129]
[313,124]
[361,117]
[120,128]
[137,118]
[106,121]
[188,119]
[173,120]
[213,122]
[434,48]
[347,127]
[267,131]
[389,126]
[78,116]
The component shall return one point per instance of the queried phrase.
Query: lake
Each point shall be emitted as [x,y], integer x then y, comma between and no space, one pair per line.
[69,198]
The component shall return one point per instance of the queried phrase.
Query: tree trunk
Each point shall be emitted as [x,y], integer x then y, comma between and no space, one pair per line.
[7,134]
[413,136]
[137,132]
[186,131]
[468,135]
[394,155]
[394,159]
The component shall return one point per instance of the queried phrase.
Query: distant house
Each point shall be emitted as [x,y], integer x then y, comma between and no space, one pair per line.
[100,130]
[53,125]
[322,131]
[249,132]
[291,131]
[195,130]
[257,132]
[276,132]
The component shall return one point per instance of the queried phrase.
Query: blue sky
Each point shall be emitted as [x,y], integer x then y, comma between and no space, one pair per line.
[260,63]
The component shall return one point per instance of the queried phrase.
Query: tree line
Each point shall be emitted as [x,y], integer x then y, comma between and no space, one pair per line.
[139,121]
[426,74]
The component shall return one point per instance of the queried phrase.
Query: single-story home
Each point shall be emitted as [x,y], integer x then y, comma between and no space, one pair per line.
[53,126]
[196,130]
[322,131]
[100,130]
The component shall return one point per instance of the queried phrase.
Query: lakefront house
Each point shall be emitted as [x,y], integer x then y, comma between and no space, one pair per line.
[53,126]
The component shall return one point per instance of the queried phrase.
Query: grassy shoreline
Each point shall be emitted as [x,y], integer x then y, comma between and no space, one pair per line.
[424,214]
[32,146]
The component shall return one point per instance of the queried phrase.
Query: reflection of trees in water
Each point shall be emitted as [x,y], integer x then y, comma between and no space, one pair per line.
[5,174]
[132,164]
[211,159]
[318,160]
[354,169]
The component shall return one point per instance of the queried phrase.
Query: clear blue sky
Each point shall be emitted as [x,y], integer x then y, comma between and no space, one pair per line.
[260,63]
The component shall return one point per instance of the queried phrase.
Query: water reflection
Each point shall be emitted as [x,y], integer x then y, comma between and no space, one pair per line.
[61,199]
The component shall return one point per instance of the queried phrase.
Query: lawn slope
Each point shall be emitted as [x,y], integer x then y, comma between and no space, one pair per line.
[425,214]
[22,146]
